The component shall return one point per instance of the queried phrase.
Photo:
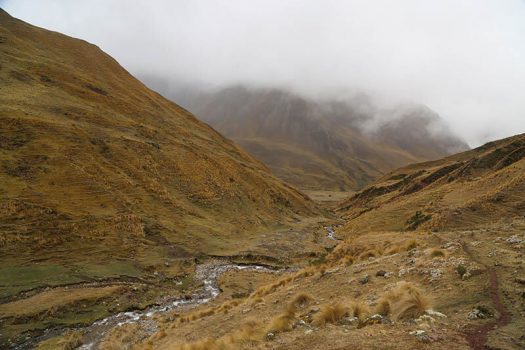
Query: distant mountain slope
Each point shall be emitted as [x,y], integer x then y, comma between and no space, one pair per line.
[96,168]
[481,186]
[319,145]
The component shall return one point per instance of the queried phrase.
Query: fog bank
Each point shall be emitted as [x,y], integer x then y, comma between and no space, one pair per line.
[463,59]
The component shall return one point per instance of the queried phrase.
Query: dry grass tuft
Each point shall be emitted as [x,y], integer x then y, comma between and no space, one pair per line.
[205,344]
[405,301]
[331,313]
[249,333]
[410,244]
[160,334]
[282,322]
[257,300]
[383,306]
[360,309]
[371,253]
[120,337]
[348,260]
[436,253]
[393,249]
[301,299]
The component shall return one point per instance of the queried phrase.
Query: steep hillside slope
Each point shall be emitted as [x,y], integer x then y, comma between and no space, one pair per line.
[321,145]
[480,186]
[101,177]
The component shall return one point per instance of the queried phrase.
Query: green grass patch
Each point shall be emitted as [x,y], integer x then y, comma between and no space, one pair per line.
[14,279]
[109,270]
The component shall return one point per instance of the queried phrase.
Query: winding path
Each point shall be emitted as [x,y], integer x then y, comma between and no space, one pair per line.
[477,336]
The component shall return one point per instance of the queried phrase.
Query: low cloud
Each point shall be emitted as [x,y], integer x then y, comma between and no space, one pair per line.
[463,59]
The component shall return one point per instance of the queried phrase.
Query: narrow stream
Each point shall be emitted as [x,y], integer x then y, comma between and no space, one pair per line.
[208,273]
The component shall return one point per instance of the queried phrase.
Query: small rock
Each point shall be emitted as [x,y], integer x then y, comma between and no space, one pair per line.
[365,279]
[479,312]
[514,240]
[421,335]
[435,313]
[520,280]
[381,273]
[334,270]
[377,319]
[349,321]
[308,331]
[425,320]
[299,323]
[167,264]
[435,273]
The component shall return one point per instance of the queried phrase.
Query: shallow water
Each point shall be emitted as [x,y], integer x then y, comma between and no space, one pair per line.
[208,273]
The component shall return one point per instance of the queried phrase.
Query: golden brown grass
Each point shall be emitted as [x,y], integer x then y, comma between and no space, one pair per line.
[331,313]
[436,253]
[68,341]
[282,322]
[56,298]
[250,332]
[360,309]
[119,337]
[348,260]
[405,301]
[283,281]
[410,244]
[301,299]
[393,249]
[371,253]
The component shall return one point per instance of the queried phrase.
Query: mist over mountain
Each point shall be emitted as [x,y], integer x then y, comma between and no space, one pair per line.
[319,144]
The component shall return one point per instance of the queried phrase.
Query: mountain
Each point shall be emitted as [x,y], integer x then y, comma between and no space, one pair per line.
[102,178]
[320,145]
[476,187]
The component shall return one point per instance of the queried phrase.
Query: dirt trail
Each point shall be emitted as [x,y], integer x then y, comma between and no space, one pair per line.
[477,336]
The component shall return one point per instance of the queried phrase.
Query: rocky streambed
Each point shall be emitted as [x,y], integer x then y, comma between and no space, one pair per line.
[207,273]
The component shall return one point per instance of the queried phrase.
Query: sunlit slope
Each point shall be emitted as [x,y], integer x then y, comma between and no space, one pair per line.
[481,186]
[95,166]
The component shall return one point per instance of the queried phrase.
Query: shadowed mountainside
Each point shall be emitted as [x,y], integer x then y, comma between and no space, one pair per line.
[330,145]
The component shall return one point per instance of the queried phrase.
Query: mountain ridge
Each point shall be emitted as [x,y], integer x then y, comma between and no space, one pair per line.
[319,145]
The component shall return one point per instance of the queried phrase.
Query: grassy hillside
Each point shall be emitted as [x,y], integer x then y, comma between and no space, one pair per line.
[471,188]
[103,179]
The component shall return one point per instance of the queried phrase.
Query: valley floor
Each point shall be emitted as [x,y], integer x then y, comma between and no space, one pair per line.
[472,282]
[42,299]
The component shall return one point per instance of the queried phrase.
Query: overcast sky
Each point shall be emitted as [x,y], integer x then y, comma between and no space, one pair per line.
[463,59]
